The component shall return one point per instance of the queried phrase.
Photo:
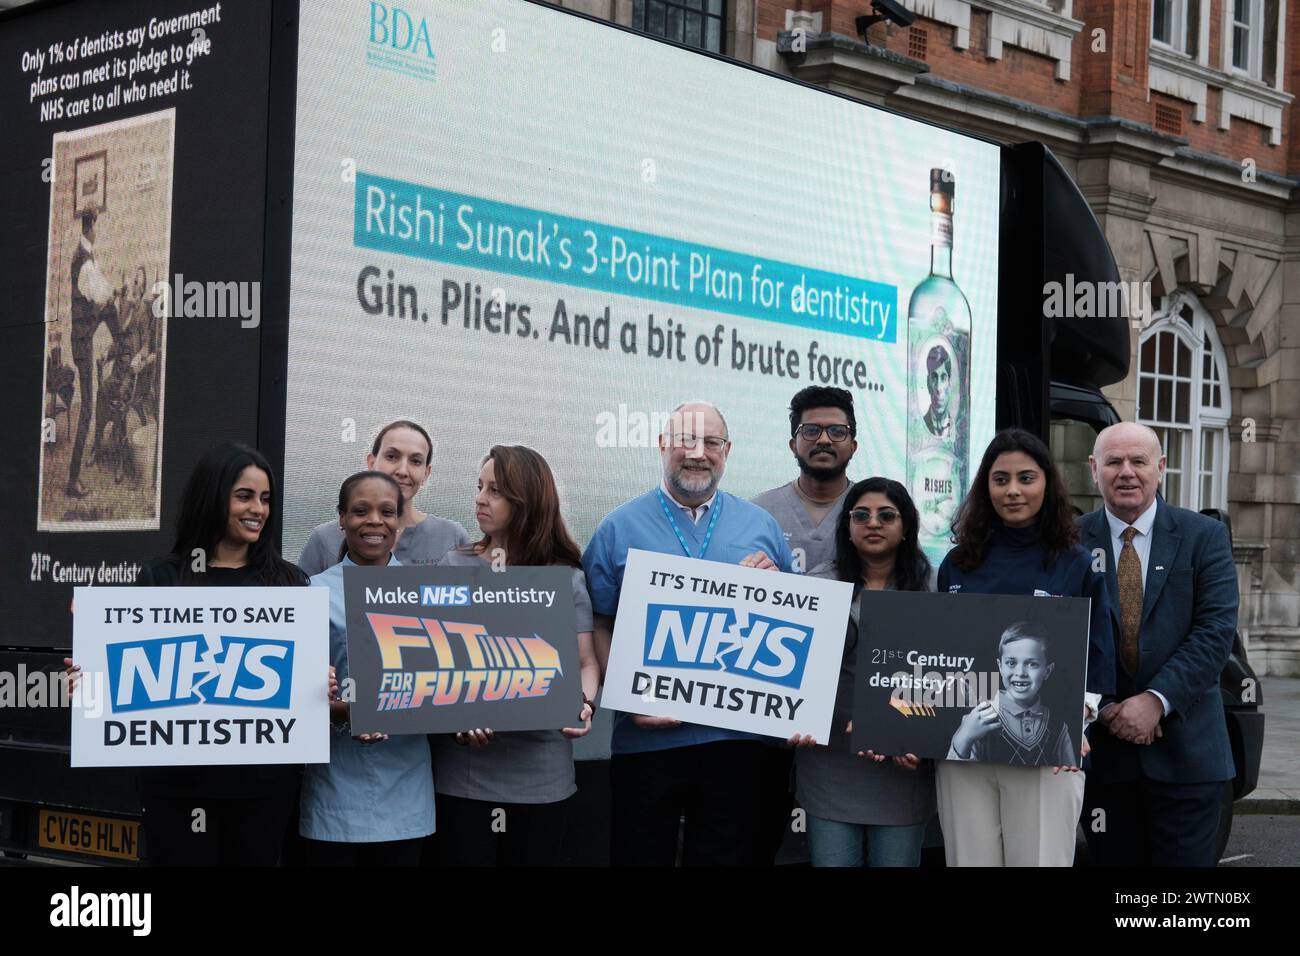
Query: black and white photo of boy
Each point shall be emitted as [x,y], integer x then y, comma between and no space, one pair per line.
[1017,726]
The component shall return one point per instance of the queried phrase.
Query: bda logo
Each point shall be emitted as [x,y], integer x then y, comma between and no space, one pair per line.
[713,638]
[393,27]
[171,671]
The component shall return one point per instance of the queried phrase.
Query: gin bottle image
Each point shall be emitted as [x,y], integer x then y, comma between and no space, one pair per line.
[938,381]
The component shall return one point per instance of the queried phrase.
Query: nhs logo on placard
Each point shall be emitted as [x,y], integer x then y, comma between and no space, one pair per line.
[444,594]
[714,638]
[399,41]
[172,671]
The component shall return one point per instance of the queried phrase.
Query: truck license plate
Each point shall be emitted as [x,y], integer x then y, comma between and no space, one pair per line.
[99,836]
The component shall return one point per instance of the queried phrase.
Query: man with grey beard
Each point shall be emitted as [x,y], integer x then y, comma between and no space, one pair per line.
[663,769]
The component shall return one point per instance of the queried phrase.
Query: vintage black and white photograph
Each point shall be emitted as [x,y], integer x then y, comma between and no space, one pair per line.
[939,381]
[106,334]
[91,184]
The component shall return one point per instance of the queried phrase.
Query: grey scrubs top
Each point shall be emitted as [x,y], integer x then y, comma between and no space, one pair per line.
[533,766]
[834,783]
[785,505]
[423,543]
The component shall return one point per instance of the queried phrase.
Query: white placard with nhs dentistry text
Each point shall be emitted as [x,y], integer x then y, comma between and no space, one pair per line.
[200,675]
[727,646]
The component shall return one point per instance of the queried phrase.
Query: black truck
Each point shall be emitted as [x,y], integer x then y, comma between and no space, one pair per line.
[235,207]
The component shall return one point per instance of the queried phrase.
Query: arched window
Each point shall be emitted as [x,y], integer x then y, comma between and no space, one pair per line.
[1183,394]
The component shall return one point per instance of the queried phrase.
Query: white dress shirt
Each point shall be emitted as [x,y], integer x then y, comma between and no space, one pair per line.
[1142,545]
[695,514]
[90,281]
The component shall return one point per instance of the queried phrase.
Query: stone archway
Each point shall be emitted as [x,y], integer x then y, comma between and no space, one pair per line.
[1242,290]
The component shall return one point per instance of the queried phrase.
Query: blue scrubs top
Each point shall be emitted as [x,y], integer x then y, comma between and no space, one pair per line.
[367,793]
[741,529]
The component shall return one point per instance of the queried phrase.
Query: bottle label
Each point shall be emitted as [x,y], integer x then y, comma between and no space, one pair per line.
[938,424]
[941,230]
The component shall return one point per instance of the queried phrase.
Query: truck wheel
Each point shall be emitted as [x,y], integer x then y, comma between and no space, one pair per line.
[1225,820]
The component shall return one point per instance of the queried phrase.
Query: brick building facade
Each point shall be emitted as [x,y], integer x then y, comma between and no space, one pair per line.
[1176,119]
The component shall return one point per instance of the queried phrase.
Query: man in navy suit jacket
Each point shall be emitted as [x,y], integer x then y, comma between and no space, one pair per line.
[1161,752]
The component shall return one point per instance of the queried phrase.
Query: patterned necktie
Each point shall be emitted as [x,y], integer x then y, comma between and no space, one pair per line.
[1130,601]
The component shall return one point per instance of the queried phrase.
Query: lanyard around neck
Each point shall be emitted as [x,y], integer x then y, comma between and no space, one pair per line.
[708,532]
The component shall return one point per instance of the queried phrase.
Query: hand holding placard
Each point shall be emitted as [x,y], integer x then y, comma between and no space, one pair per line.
[655,723]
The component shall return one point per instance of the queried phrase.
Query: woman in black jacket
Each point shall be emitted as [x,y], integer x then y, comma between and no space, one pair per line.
[1016,534]
[225,537]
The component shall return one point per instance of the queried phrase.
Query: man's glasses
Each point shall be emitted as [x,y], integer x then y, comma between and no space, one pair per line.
[886,516]
[690,442]
[814,432]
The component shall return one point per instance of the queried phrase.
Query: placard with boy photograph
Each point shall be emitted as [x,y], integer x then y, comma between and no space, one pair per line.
[1003,688]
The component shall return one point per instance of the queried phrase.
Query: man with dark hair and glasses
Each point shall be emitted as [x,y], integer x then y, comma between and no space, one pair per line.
[823,438]
[662,769]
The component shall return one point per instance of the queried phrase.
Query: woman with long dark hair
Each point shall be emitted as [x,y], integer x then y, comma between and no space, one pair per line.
[228,524]
[372,804]
[225,537]
[877,804]
[1015,534]
[528,775]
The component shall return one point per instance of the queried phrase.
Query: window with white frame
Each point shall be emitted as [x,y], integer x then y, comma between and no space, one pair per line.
[1164,15]
[1177,24]
[1183,395]
[1246,35]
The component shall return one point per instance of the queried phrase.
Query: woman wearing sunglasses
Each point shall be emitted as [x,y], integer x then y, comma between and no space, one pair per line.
[1016,534]
[882,805]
